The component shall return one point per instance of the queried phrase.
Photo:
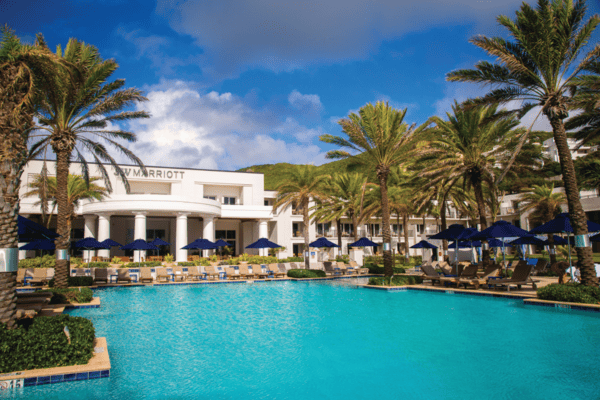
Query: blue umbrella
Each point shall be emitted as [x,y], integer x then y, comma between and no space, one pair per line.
[29,231]
[465,245]
[451,233]
[501,229]
[221,243]
[525,240]
[423,244]
[465,235]
[89,243]
[39,244]
[201,244]
[108,243]
[139,244]
[363,242]
[557,240]
[263,244]
[595,238]
[323,242]
[498,243]
[159,242]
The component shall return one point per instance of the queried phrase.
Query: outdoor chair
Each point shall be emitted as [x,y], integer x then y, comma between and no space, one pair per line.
[211,273]
[40,277]
[193,274]
[146,274]
[124,259]
[258,271]
[232,273]
[23,273]
[278,270]
[521,276]
[178,274]
[445,267]
[342,267]
[100,275]
[330,270]
[490,272]
[244,272]
[430,274]
[162,275]
[469,272]
[123,275]
[540,266]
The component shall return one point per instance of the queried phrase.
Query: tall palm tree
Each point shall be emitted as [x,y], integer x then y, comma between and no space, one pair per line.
[468,146]
[298,190]
[26,71]
[379,134]
[538,68]
[77,191]
[72,118]
[586,90]
[343,197]
[545,205]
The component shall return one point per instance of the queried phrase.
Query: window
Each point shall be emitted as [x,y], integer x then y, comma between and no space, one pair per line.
[419,228]
[152,234]
[229,237]
[347,229]
[323,229]
[267,203]
[373,229]
[210,197]
[229,200]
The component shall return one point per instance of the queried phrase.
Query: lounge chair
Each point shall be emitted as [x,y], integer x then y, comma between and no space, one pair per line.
[211,273]
[445,267]
[40,277]
[162,275]
[123,275]
[296,265]
[258,271]
[540,266]
[193,274]
[278,270]
[232,273]
[245,273]
[330,270]
[490,272]
[178,274]
[469,272]
[100,275]
[430,274]
[146,274]
[521,276]
[342,267]
[21,274]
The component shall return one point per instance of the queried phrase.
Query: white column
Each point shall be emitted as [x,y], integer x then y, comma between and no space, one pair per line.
[140,233]
[263,232]
[181,238]
[89,230]
[103,232]
[208,231]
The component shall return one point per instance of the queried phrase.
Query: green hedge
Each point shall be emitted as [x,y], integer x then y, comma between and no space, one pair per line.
[306,273]
[400,259]
[396,281]
[70,295]
[570,292]
[96,264]
[143,264]
[44,344]
[187,263]
[47,261]
[76,281]
[379,270]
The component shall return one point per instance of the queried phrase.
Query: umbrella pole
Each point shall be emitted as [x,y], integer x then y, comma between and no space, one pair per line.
[570,264]
[504,258]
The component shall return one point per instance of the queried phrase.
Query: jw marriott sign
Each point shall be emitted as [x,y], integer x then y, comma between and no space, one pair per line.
[152,173]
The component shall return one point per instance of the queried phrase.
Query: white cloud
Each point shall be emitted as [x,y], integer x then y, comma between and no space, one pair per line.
[219,131]
[283,36]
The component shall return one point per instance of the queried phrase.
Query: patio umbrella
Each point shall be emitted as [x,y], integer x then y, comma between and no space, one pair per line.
[39,244]
[323,242]
[562,224]
[501,229]
[363,242]
[558,240]
[159,242]
[201,244]
[263,243]
[595,238]
[423,244]
[89,243]
[139,244]
[108,243]
[465,236]
[451,233]
[221,243]
[525,240]
[30,231]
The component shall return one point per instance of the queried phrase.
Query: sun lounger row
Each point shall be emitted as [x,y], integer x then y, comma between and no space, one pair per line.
[339,268]
[34,276]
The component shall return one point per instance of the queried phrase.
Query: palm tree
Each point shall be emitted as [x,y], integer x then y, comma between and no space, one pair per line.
[26,71]
[586,89]
[383,139]
[82,108]
[77,191]
[538,68]
[545,205]
[468,146]
[297,191]
[343,197]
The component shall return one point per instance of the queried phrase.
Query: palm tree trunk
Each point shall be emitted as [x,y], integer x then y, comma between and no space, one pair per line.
[424,223]
[355,225]
[306,219]
[585,261]
[339,233]
[405,229]
[478,189]
[63,220]
[385,211]
[444,227]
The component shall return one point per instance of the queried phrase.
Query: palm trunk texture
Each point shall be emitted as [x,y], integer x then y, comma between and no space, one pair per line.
[405,226]
[14,128]
[385,217]
[478,189]
[63,220]
[585,261]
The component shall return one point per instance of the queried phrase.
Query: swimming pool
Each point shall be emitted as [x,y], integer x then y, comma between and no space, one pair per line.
[330,340]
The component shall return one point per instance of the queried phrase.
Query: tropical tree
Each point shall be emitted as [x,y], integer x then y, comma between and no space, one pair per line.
[303,185]
[379,134]
[544,205]
[468,146]
[26,71]
[538,68]
[586,90]
[83,108]
[343,196]
[77,191]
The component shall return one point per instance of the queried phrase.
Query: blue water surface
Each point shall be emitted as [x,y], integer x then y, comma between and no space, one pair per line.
[295,340]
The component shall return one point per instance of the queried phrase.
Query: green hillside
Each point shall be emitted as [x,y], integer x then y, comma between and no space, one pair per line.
[277,173]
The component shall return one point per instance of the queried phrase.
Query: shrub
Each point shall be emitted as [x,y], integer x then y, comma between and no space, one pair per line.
[116,260]
[187,264]
[97,264]
[262,260]
[70,295]
[396,281]
[306,273]
[44,344]
[292,259]
[77,261]
[46,261]
[142,264]
[169,258]
[570,292]
[76,281]
[376,269]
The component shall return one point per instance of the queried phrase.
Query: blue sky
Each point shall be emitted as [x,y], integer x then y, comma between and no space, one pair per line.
[232,84]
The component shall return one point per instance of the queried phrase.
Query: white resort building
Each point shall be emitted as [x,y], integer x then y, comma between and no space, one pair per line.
[180,205]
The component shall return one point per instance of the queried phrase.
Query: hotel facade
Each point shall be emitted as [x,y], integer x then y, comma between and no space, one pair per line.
[180,205]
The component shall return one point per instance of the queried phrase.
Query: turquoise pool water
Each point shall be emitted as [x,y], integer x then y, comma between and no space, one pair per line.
[294,340]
